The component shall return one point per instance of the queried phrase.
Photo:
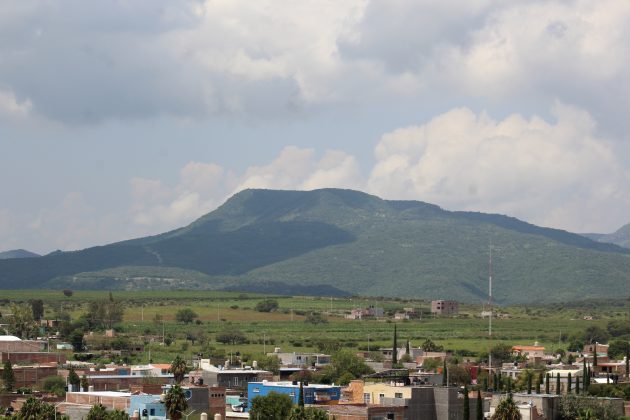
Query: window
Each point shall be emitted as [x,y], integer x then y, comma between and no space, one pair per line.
[366,398]
[398,395]
[380,397]
[152,412]
[256,389]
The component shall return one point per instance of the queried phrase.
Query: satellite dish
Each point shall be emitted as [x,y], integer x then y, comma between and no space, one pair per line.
[188,394]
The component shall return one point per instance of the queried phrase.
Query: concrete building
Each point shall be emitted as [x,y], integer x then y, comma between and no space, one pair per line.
[444,307]
[13,344]
[298,359]
[313,393]
[154,407]
[230,378]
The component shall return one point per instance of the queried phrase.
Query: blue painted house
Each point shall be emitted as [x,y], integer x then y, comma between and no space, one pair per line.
[155,408]
[313,393]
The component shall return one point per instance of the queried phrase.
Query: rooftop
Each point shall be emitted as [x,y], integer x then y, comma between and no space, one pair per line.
[289,384]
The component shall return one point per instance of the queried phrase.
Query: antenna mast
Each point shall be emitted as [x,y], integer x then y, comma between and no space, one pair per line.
[490,371]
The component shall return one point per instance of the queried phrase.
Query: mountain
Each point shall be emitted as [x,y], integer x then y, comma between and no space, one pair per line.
[17,253]
[341,242]
[621,237]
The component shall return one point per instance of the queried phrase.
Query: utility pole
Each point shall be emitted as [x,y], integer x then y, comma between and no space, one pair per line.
[490,310]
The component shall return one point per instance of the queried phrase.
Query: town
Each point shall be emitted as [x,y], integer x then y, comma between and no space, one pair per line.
[99,355]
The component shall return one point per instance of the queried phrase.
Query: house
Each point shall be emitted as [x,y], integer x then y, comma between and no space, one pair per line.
[313,393]
[11,343]
[444,307]
[371,311]
[602,349]
[532,353]
[296,359]
[230,378]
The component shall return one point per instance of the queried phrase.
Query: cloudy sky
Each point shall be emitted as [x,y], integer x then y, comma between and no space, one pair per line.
[122,118]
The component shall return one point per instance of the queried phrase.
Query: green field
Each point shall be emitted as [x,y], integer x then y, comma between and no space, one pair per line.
[285,327]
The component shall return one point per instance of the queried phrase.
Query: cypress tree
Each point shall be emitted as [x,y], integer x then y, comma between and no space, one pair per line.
[444,373]
[547,379]
[538,382]
[8,377]
[584,373]
[479,406]
[395,348]
[595,355]
[301,396]
[408,349]
[485,383]
[509,385]
[569,383]
[577,385]
[558,383]
[529,382]
[466,404]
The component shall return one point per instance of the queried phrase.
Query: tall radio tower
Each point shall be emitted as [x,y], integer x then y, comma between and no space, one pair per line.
[490,371]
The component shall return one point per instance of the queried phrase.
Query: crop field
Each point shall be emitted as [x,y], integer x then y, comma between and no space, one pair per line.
[149,317]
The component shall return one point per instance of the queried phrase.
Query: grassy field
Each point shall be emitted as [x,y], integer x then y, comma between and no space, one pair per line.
[286,327]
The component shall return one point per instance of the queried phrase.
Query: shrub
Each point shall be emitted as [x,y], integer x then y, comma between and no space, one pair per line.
[267,305]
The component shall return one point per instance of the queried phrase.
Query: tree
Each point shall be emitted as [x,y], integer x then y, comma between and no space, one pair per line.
[595,355]
[627,360]
[273,406]
[97,412]
[84,383]
[547,380]
[430,364]
[617,348]
[558,383]
[76,339]
[21,323]
[267,305]
[185,316]
[54,385]
[344,366]
[178,369]
[429,345]
[529,382]
[270,363]
[73,379]
[395,347]
[315,318]
[444,374]
[408,349]
[466,404]
[231,337]
[67,292]
[501,352]
[37,308]
[301,396]
[594,334]
[569,383]
[8,376]
[577,385]
[479,406]
[175,402]
[308,413]
[506,410]
[36,409]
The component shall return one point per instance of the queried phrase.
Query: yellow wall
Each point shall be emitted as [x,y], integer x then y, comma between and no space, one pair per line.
[389,391]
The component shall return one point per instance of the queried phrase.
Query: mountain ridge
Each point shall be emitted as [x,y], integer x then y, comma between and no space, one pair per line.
[346,242]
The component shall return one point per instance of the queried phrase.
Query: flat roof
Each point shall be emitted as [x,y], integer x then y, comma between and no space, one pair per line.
[103,393]
[289,384]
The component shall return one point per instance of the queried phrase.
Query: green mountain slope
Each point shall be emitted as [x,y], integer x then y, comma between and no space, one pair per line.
[621,237]
[17,253]
[334,241]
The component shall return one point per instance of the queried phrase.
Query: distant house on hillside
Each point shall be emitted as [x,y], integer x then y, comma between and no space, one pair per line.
[371,311]
[444,307]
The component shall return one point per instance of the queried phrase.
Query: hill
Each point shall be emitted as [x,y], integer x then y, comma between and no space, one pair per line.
[17,253]
[343,242]
[621,237]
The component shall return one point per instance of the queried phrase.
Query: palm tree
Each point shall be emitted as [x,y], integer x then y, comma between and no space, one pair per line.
[175,402]
[506,410]
[178,369]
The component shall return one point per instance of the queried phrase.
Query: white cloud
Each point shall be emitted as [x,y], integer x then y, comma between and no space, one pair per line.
[555,174]
[11,107]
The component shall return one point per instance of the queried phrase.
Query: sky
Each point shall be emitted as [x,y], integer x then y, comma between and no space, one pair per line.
[124,118]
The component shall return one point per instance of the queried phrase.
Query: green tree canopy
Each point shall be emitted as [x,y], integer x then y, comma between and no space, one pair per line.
[175,402]
[273,406]
[506,410]
[267,305]
[186,316]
